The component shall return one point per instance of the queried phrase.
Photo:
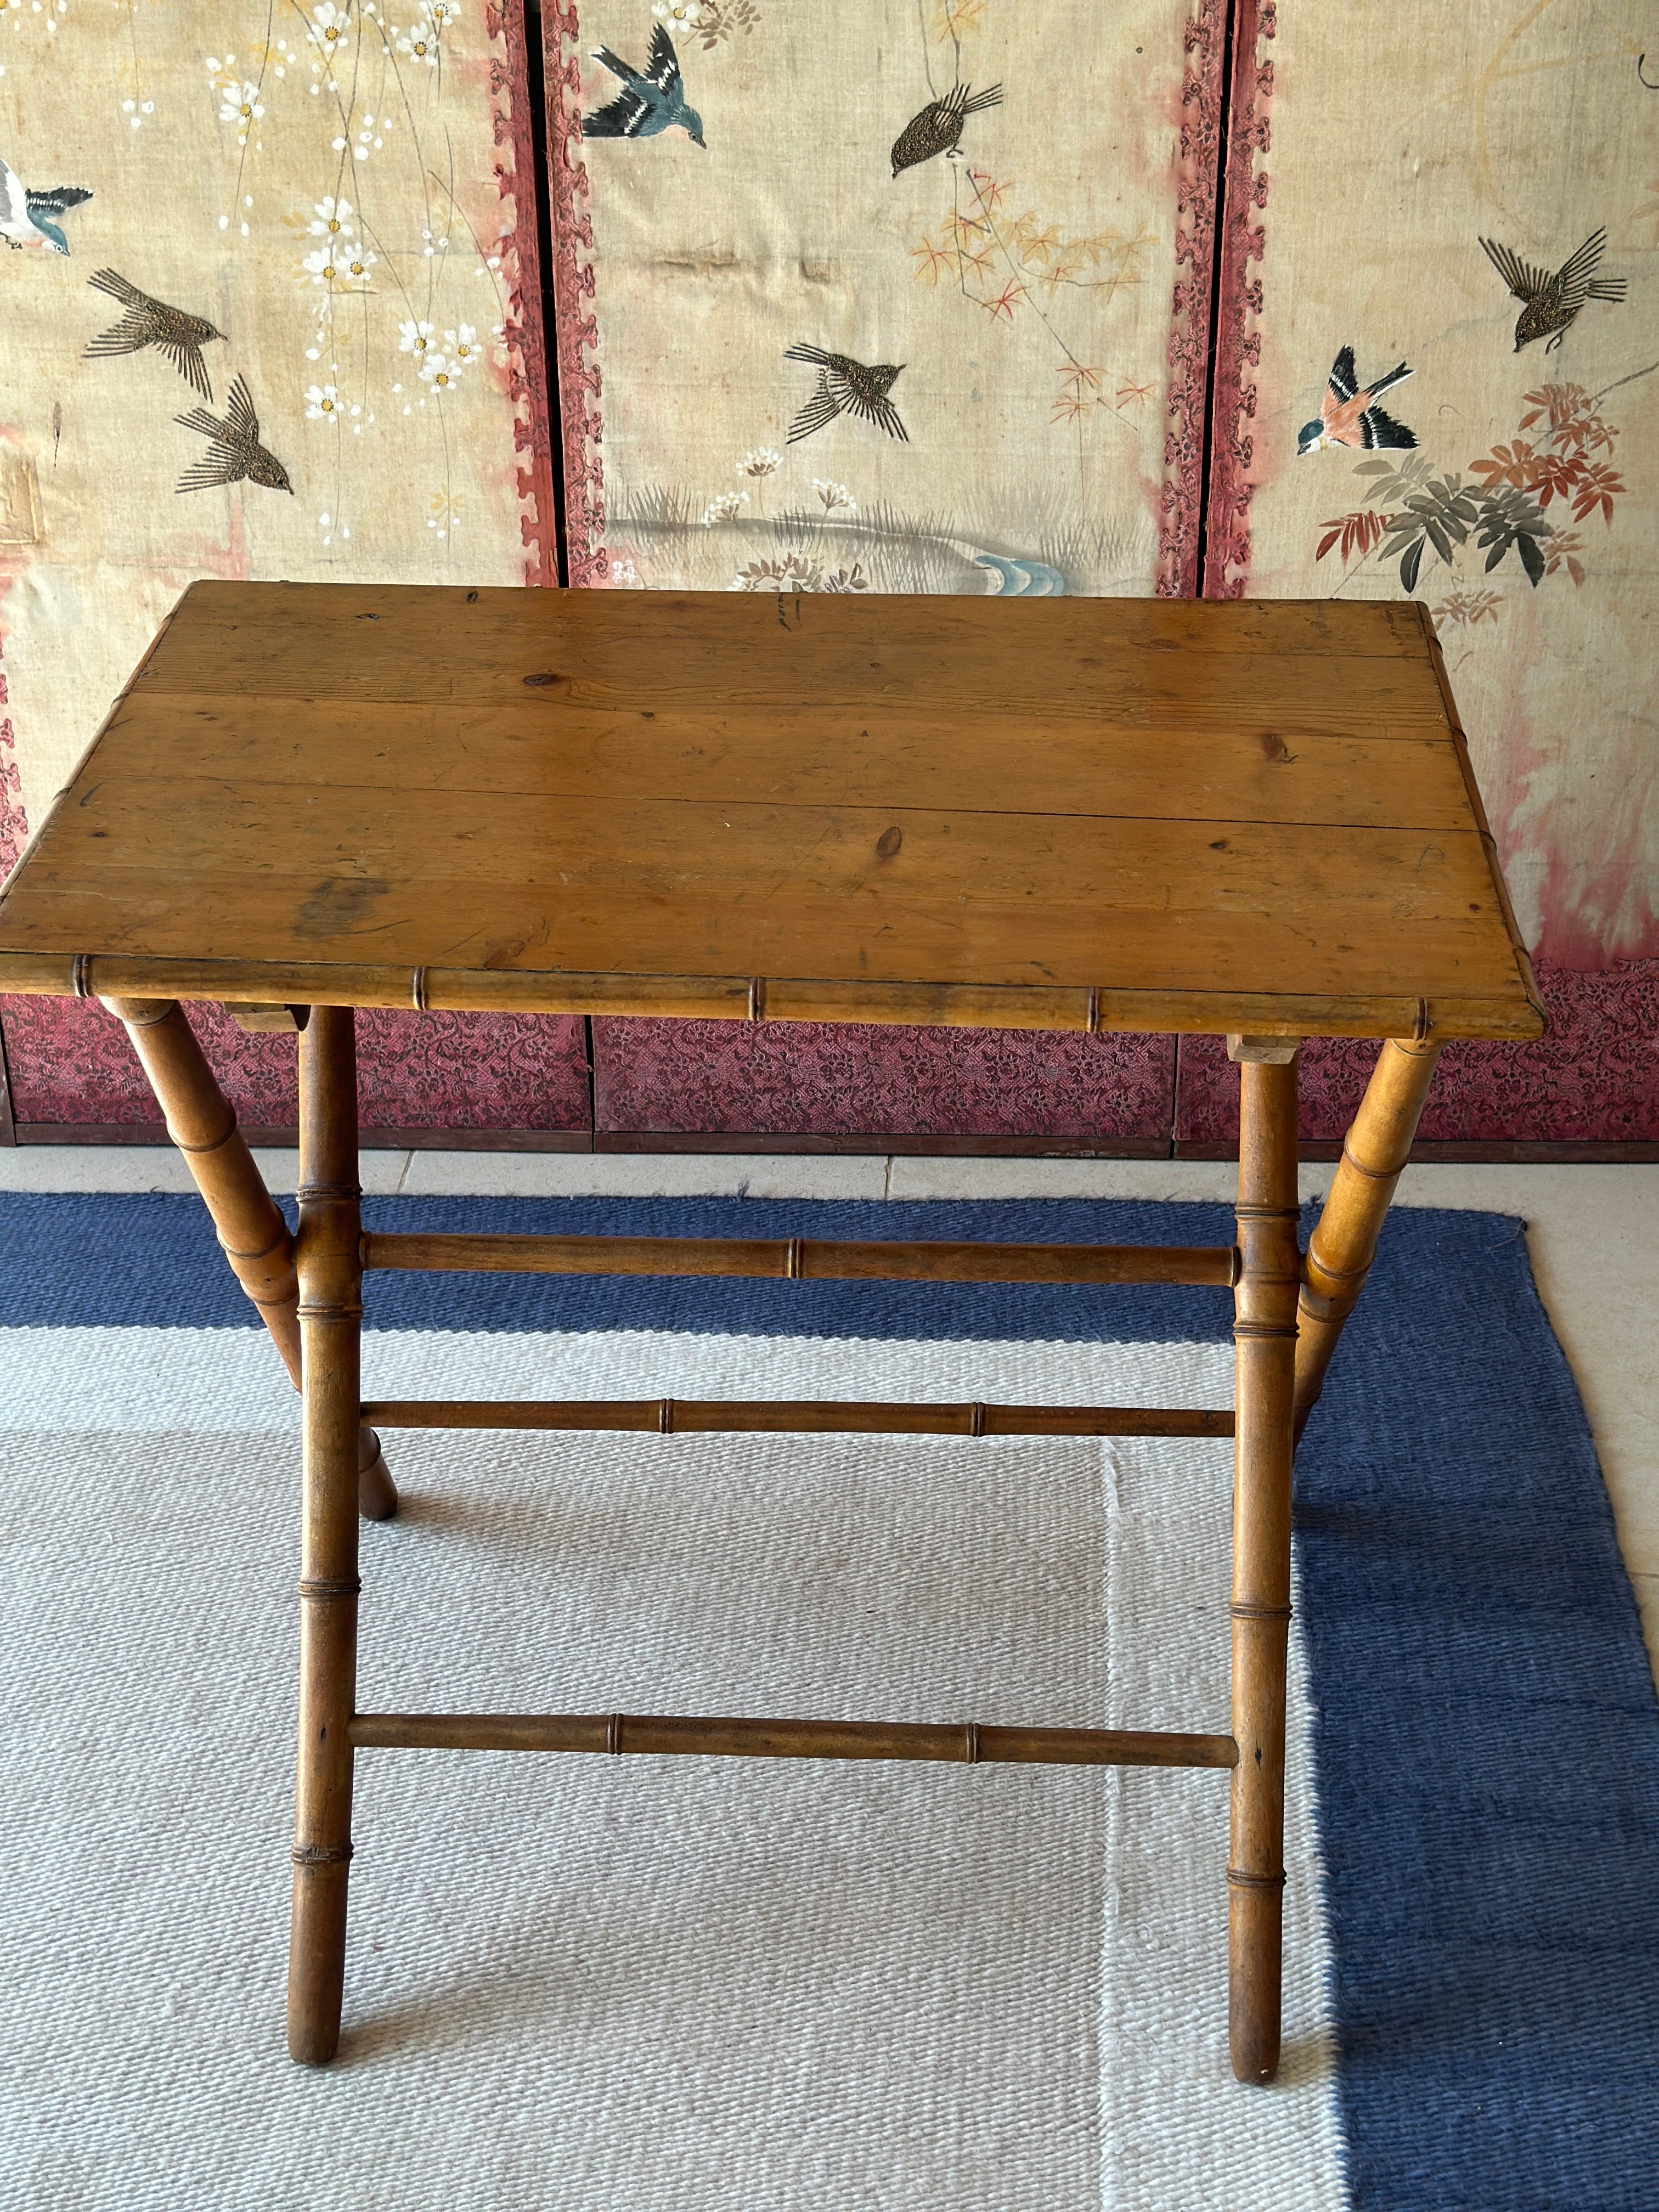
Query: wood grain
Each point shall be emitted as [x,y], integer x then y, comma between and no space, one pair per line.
[1264,1331]
[1231,767]
[330,1316]
[1137,806]
[802,1259]
[673,1417]
[958,1742]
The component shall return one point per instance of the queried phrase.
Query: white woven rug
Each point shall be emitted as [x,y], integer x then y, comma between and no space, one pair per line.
[637,1984]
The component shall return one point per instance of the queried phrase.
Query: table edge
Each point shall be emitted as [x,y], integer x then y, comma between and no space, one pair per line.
[788,999]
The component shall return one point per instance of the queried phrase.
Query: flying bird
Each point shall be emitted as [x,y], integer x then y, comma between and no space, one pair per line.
[26,218]
[1349,414]
[651,99]
[149,322]
[847,387]
[938,129]
[1550,304]
[235,452]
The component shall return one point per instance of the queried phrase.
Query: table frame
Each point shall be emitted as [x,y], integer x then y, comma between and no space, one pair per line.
[1289,1309]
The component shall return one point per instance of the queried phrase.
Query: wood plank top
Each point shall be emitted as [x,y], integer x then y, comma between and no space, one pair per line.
[1057,813]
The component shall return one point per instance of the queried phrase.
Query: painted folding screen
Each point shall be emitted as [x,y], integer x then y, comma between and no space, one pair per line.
[273,311]
[909,296]
[1470,195]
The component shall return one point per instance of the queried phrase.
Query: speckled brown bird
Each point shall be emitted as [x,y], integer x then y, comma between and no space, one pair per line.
[149,322]
[846,386]
[1550,304]
[236,452]
[938,129]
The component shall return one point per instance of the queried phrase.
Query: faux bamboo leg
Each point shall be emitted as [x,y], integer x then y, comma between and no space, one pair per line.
[202,1123]
[1341,1250]
[331,1317]
[1264,1335]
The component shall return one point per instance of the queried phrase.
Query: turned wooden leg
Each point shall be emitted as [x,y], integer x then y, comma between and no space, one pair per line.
[1265,1336]
[1341,1250]
[326,1253]
[249,1224]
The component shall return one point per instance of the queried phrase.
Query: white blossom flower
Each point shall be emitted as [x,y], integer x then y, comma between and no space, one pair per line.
[330,23]
[322,404]
[239,103]
[440,13]
[324,264]
[624,571]
[438,371]
[356,267]
[420,43]
[763,462]
[679,15]
[834,496]
[722,509]
[413,337]
[332,218]
[463,348]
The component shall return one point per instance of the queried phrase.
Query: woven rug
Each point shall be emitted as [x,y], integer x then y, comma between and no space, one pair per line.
[650,1985]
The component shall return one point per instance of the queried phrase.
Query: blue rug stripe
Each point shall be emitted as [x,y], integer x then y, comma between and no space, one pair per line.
[151,1261]
[1487,1747]
[1487,1736]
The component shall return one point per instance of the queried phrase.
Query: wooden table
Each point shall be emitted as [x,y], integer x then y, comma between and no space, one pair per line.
[1253,819]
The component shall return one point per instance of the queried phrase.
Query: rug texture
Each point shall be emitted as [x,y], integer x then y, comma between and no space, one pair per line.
[650,1985]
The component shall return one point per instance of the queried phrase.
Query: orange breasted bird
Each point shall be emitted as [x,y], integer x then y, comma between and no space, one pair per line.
[1349,414]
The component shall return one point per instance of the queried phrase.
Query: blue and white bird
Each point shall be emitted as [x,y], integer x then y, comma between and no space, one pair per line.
[651,99]
[27,218]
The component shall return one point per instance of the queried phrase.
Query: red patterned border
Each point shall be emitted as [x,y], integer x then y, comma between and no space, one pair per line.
[1237,336]
[575,327]
[14,822]
[1197,168]
[1594,1079]
[71,1063]
[527,385]
[842,1079]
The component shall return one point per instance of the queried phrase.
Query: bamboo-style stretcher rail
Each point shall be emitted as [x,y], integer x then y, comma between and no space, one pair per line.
[793,1417]
[962,1743]
[808,1259]
[670,1416]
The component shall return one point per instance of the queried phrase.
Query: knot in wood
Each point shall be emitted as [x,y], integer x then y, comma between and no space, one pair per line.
[889,842]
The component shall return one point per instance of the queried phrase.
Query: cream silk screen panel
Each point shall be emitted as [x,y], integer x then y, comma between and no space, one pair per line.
[272,309]
[898,297]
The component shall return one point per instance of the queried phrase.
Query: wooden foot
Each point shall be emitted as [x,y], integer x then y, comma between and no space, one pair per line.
[326,1253]
[377,1493]
[249,1224]
[1265,1330]
[1341,1250]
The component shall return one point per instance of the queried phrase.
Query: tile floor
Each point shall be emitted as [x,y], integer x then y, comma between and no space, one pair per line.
[1592,1233]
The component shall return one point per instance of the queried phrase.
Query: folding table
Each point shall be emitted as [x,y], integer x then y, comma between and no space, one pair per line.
[1256,820]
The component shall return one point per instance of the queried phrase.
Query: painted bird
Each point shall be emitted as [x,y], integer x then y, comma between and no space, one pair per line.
[235,452]
[26,217]
[1551,303]
[938,129]
[651,99]
[149,322]
[847,387]
[1349,415]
